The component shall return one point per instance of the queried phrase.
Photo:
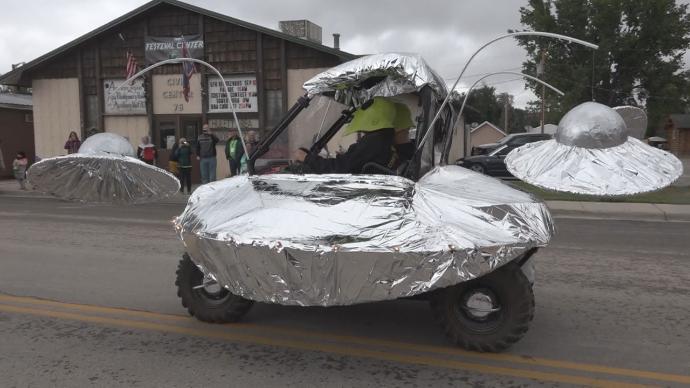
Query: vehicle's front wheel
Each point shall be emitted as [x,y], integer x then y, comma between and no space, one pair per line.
[478,168]
[487,314]
[211,303]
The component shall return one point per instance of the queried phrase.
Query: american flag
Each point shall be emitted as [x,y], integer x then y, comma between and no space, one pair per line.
[131,67]
[188,69]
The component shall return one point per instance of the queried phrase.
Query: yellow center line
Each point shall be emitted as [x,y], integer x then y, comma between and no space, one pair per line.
[511,358]
[326,348]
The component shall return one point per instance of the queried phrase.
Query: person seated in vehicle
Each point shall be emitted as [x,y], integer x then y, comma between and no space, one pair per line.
[376,123]
[404,147]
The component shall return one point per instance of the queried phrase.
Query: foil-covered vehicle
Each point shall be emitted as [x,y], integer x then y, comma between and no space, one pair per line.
[418,228]
[460,239]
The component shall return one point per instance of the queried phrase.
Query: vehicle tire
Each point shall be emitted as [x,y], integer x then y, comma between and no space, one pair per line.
[478,168]
[487,314]
[209,304]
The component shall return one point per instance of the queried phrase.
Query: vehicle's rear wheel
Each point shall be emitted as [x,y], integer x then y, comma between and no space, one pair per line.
[487,314]
[478,168]
[211,303]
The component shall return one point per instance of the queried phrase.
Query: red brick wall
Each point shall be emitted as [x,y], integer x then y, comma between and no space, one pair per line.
[16,135]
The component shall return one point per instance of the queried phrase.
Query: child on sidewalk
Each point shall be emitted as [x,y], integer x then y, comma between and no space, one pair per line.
[19,165]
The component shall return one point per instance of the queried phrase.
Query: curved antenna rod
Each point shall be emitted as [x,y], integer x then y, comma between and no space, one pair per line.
[180,60]
[467,95]
[512,34]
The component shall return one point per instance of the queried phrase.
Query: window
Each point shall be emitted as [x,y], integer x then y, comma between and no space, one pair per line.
[28,117]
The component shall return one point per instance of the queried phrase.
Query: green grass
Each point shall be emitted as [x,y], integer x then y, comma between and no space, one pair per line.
[671,195]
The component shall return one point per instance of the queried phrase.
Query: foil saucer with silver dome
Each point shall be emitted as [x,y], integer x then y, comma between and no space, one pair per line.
[593,153]
[103,171]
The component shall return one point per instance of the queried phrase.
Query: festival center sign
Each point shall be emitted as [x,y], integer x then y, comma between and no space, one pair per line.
[160,48]
[243,92]
[130,99]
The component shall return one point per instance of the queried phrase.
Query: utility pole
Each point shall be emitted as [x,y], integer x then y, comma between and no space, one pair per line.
[540,74]
[505,111]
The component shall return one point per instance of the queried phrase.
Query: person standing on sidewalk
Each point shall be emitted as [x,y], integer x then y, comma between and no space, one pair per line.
[183,153]
[146,152]
[206,154]
[234,152]
[2,158]
[73,143]
[19,166]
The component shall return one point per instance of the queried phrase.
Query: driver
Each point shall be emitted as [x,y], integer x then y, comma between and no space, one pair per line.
[377,124]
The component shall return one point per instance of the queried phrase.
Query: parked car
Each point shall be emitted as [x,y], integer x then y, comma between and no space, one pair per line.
[493,163]
[515,140]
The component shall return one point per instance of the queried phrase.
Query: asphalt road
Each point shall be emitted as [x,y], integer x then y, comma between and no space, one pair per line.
[87,298]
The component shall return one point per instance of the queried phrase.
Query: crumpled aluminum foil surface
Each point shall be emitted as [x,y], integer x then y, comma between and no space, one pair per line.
[102,172]
[592,154]
[108,143]
[323,240]
[400,73]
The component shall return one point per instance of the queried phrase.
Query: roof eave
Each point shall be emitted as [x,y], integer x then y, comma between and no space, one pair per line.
[14,76]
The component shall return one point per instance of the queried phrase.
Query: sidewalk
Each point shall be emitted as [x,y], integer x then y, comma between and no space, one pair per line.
[570,209]
[620,210]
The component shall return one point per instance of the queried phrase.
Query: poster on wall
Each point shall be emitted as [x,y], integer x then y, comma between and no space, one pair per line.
[160,48]
[242,91]
[128,100]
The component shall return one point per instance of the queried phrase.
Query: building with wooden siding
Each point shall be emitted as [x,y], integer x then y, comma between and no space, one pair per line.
[16,129]
[677,128]
[71,84]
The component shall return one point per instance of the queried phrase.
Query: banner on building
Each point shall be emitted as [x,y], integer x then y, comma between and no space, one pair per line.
[128,100]
[243,92]
[160,48]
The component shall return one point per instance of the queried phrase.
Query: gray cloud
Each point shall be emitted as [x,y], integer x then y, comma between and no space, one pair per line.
[444,32]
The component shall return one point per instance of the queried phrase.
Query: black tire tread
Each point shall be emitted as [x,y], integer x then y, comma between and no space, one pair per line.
[523,312]
[230,311]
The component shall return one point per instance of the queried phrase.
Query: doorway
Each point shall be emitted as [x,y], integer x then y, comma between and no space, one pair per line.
[169,130]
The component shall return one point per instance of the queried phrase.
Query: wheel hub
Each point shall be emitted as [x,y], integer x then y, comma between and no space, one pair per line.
[480,305]
[211,288]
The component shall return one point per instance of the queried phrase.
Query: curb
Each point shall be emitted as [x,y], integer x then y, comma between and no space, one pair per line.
[559,209]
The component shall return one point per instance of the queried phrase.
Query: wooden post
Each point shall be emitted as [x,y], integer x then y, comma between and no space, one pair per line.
[261,93]
[82,95]
[284,74]
[204,75]
[148,88]
[99,90]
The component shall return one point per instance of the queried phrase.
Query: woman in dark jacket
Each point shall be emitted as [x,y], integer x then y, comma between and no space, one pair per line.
[73,143]
[183,153]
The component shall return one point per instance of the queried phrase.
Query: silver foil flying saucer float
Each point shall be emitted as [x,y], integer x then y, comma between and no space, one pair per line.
[344,239]
[593,153]
[104,171]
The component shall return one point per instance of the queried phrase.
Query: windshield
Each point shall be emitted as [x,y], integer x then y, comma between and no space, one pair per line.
[506,139]
[502,150]
[314,121]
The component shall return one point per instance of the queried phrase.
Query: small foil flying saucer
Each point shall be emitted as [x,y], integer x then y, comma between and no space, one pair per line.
[104,171]
[593,153]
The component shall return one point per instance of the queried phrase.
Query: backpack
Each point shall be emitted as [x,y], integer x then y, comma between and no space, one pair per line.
[149,154]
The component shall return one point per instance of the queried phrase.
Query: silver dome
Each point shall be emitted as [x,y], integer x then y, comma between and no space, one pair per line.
[591,125]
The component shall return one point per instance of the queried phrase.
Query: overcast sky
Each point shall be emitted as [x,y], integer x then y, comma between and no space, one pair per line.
[444,32]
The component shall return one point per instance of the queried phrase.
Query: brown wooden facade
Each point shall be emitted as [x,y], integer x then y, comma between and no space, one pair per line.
[230,47]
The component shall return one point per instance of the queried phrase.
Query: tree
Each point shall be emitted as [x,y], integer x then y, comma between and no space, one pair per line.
[639,60]
[485,105]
